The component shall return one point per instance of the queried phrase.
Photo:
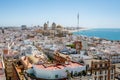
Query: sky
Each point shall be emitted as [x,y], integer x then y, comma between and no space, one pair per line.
[92,13]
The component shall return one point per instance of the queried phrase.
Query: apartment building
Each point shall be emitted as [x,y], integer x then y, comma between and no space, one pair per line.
[102,70]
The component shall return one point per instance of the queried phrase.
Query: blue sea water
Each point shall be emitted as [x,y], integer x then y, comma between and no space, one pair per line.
[106,33]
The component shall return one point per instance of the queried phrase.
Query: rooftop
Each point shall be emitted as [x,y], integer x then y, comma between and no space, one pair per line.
[58,66]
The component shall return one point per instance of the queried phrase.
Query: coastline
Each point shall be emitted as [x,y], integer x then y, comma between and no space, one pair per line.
[77,30]
[103,33]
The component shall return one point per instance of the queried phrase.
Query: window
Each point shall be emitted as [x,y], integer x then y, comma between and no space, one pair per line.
[95,78]
[95,66]
[112,71]
[100,78]
[106,65]
[105,71]
[100,65]
[87,66]
[95,72]
[105,77]
[100,72]
[112,76]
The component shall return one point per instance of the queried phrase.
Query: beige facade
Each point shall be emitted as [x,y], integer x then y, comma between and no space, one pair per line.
[102,70]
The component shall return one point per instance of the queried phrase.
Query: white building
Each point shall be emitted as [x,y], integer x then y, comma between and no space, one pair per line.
[55,72]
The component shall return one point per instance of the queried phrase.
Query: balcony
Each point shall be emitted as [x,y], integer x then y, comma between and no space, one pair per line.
[99,68]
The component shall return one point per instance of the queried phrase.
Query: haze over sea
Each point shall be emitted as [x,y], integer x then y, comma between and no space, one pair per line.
[106,33]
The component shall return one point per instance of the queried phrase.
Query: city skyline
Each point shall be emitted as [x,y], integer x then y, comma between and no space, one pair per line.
[92,13]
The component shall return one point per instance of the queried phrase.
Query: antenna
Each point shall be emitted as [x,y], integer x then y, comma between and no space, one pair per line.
[78,23]
[78,20]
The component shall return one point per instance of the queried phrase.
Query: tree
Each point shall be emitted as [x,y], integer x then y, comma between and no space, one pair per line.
[83,73]
[68,74]
[71,45]
[75,74]
[80,74]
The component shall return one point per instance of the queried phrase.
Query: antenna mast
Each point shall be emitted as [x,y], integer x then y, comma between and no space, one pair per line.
[78,20]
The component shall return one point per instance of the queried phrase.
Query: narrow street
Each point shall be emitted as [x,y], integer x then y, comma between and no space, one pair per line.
[10,71]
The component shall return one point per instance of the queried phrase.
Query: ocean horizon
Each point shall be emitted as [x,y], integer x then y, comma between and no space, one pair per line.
[105,33]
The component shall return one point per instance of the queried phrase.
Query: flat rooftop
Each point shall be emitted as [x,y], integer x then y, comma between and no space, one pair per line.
[58,66]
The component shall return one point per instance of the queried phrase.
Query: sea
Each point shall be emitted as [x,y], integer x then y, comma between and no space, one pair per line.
[105,33]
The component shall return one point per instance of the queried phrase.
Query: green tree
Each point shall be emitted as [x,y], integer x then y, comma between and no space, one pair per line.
[71,45]
[80,74]
[68,74]
[75,74]
[84,73]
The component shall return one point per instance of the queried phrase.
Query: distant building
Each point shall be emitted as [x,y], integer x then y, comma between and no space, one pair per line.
[3,31]
[48,23]
[84,45]
[53,26]
[23,27]
[78,46]
[113,57]
[45,26]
